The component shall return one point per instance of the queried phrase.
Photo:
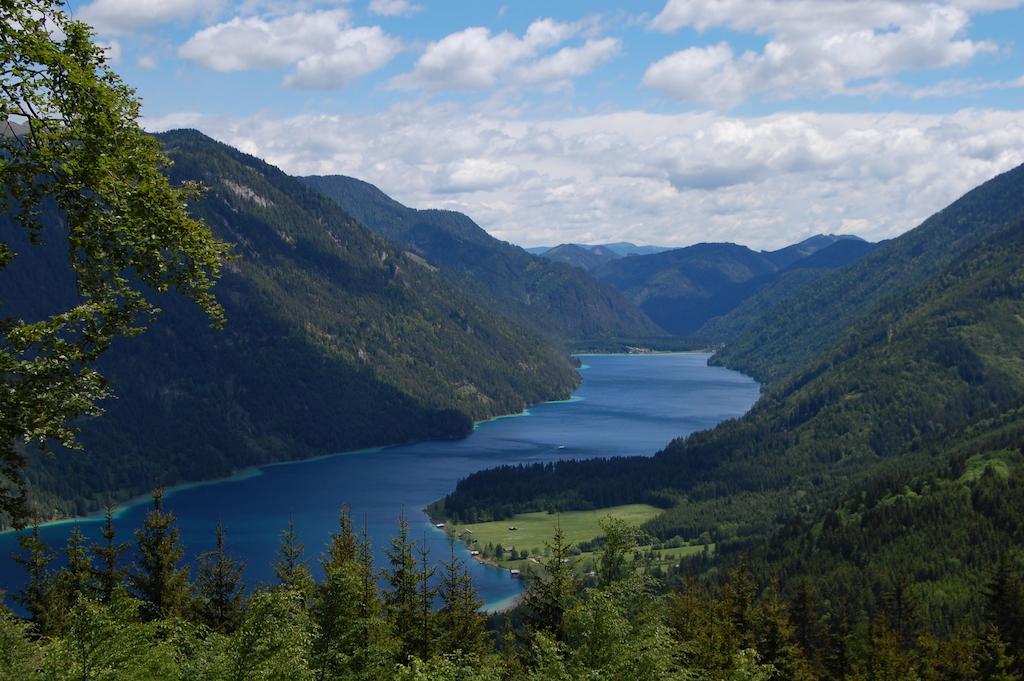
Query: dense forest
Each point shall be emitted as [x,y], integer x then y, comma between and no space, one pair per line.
[102,616]
[551,298]
[336,340]
[683,289]
[886,465]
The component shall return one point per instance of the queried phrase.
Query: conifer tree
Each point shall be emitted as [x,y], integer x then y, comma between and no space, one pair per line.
[108,574]
[1005,608]
[402,598]
[158,580]
[74,581]
[994,663]
[423,636]
[290,568]
[352,640]
[220,587]
[777,636]
[460,624]
[37,594]
[553,590]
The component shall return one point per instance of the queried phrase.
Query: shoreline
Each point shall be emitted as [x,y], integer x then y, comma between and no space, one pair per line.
[257,470]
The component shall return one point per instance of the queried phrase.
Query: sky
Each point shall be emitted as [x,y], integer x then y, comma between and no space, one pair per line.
[667,122]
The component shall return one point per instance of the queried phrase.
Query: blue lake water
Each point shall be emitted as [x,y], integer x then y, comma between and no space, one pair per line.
[626,405]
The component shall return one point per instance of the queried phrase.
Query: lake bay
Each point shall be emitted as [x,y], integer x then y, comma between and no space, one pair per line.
[626,405]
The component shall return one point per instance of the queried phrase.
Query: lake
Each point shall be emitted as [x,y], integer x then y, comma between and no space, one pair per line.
[626,405]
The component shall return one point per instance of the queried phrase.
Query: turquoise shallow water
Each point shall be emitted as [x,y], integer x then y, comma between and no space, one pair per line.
[626,405]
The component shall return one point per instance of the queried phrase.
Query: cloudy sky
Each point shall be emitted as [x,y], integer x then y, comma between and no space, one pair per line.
[665,121]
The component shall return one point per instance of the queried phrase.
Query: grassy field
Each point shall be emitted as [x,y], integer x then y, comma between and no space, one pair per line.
[533,530]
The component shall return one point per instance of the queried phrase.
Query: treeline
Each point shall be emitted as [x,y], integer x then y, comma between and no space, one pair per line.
[335,340]
[97,618]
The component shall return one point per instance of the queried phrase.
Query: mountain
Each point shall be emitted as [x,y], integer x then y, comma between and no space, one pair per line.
[336,340]
[551,298]
[619,248]
[586,258]
[784,257]
[682,289]
[797,329]
[769,292]
[920,378]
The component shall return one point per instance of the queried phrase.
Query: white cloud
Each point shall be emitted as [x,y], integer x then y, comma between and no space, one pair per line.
[476,174]
[116,17]
[572,62]
[814,47]
[324,49]
[146,62]
[394,8]
[666,179]
[476,59]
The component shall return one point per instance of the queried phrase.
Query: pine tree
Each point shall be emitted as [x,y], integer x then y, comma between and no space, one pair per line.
[994,663]
[220,588]
[290,568]
[108,575]
[738,596]
[777,636]
[460,624]
[158,580]
[402,599]
[551,592]
[74,581]
[352,640]
[1005,608]
[423,636]
[37,595]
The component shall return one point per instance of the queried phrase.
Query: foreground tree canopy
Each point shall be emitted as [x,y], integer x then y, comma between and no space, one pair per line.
[70,144]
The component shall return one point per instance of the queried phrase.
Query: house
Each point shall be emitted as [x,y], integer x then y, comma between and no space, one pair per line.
[474,553]
[439,526]
[515,573]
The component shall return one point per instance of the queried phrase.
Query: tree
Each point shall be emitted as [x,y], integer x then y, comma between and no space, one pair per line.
[620,539]
[158,580]
[290,568]
[459,622]
[553,590]
[109,575]
[352,640]
[70,145]
[402,599]
[37,595]
[220,587]
[77,579]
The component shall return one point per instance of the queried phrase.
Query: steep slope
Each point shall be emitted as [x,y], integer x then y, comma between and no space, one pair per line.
[893,389]
[336,340]
[550,297]
[771,291]
[796,330]
[683,288]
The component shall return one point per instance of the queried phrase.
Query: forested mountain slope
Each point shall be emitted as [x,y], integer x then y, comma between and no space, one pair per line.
[772,291]
[682,289]
[893,389]
[336,340]
[797,329]
[550,297]
[584,257]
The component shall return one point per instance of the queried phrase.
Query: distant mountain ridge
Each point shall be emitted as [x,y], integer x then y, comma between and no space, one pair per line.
[336,340]
[551,298]
[684,288]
